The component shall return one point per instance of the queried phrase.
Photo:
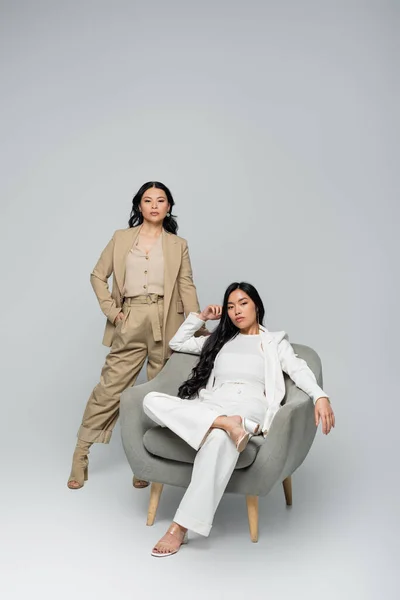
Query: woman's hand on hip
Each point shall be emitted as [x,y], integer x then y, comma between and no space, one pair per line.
[212,312]
[323,412]
[120,317]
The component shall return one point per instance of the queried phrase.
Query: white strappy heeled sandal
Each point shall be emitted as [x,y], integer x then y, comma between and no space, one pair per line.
[250,428]
[162,554]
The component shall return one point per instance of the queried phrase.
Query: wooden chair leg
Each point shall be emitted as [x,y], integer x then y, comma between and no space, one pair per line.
[155,494]
[252,513]
[287,488]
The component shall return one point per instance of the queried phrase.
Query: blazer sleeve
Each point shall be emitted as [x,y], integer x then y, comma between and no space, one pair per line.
[187,289]
[298,370]
[184,340]
[99,280]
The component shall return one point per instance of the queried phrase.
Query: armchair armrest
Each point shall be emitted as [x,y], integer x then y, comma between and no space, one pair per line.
[286,446]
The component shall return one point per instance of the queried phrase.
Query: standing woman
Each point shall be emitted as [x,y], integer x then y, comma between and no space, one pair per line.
[152,290]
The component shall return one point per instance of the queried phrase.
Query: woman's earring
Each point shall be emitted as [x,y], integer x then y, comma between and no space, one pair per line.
[168,214]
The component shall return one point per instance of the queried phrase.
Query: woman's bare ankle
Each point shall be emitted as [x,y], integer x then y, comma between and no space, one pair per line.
[177,529]
[226,423]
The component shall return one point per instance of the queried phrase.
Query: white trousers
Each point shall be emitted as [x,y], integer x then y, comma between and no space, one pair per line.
[217,457]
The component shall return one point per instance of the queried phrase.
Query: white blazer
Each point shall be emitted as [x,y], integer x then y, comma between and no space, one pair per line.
[279,356]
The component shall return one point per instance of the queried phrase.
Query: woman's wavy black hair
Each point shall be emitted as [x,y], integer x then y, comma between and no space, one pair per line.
[136,217]
[225,331]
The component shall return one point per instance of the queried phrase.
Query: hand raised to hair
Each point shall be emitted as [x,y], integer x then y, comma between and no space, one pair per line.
[212,312]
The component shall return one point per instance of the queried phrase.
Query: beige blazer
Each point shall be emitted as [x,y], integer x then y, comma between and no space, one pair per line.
[279,358]
[180,296]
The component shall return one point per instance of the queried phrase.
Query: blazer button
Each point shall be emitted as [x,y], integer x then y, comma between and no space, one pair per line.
[145,286]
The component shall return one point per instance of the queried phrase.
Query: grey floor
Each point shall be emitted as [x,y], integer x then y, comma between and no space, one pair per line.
[335,542]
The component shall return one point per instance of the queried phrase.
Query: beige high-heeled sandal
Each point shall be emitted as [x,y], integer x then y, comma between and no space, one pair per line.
[80,466]
[184,540]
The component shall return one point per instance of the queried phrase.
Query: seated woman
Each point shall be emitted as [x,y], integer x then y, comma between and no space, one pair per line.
[233,392]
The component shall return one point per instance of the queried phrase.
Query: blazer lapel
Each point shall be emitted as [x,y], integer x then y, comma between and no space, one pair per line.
[172,263]
[123,244]
[270,364]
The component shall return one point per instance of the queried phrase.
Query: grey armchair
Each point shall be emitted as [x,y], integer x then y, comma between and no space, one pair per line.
[158,455]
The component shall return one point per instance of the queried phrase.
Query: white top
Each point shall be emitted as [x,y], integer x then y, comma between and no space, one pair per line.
[241,360]
[279,357]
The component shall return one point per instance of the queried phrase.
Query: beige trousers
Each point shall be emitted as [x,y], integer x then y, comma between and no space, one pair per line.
[137,337]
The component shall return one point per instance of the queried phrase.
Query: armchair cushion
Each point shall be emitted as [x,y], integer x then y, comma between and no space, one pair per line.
[162,442]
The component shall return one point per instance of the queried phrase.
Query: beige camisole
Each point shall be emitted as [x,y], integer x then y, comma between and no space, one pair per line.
[144,273]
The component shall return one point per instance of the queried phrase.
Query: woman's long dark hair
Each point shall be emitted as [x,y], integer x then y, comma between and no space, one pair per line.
[225,331]
[136,217]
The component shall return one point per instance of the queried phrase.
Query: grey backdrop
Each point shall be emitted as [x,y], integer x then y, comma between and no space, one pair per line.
[275,125]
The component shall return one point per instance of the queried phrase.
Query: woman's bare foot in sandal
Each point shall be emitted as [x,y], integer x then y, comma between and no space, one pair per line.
[74,485]
[171,542]
[234,428]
